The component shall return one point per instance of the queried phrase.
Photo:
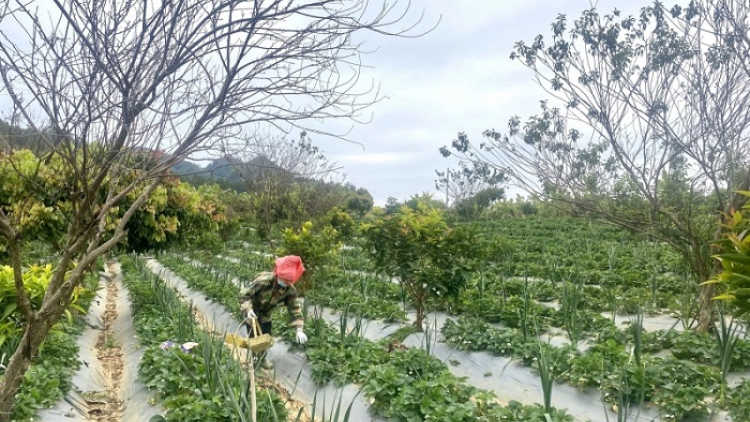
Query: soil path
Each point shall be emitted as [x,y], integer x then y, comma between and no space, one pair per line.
[106,386]
[106,405]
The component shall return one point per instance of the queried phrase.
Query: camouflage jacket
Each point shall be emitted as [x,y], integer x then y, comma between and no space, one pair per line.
[264,293]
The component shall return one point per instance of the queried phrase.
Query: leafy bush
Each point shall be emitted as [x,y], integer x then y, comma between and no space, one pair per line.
[429,258]
[735,261]
[317,245]
[342,222]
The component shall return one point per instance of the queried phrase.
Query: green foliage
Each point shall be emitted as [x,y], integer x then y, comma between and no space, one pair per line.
[599,62]
[342,222]
[735,260]
[35,196]
[35,279]
[49,377]
[206,384]
[405,385]
[215,285]
[679,387]
[471,208]
[362,295]
[429,258]
[239,218]
[317,245]
[425,199]
[175,214]
[359,202]
[739,402]
[471,188]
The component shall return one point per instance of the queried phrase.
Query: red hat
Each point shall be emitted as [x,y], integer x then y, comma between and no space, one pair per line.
[289,268]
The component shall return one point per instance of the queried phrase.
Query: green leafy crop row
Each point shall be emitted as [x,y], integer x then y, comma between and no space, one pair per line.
[206,384]
[49,377]
[678,387]
[405,384]
[424,390]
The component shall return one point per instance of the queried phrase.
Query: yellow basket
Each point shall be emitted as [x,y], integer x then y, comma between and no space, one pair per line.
[257,344]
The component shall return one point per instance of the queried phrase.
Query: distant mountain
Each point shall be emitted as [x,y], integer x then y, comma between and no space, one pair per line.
[226,171]
[224,168]
[186,168]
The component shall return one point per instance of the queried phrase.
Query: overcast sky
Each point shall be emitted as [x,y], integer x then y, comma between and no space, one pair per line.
[458,77]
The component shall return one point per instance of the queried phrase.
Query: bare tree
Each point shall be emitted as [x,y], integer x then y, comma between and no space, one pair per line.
[101,80]
[275,169]
[663,102]
[467,180]
[297,158]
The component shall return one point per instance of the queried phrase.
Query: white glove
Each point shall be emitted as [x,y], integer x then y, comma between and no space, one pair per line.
[301,336]
[250,314]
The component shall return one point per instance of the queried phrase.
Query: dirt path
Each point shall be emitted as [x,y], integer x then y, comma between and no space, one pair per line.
[106,386]
[107,406]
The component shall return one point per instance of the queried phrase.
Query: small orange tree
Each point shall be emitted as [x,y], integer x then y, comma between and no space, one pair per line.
[317,245]
[429,258]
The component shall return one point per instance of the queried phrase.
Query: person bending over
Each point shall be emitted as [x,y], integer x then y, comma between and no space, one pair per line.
[268,290]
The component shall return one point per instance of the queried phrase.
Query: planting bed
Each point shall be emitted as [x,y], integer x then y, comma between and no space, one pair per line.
[588,330]
[53,372]
[291,370]
[400,384]
[206,383]
[561,299]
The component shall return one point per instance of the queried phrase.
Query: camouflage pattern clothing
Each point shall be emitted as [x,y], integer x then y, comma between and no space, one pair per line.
[264,293]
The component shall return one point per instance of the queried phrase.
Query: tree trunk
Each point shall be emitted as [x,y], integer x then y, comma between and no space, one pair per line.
[706,295]
[419,299]
[707,292]
[419,323]
[33,336]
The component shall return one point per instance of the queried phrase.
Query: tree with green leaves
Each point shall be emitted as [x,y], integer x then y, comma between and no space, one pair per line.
[471,208]
[177,214]
[317,245]
[429,258]
[359,201]
[648,127]
[104,82]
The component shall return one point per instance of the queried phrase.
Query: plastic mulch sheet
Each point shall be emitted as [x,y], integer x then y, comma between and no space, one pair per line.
[290,368]
[88,394]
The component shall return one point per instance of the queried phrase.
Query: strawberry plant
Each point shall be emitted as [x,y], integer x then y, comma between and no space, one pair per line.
[49,377]
[739,402]
[206,384]
[362,295]
[404,385]
[217,286]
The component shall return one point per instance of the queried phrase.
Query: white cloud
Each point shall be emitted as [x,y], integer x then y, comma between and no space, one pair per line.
[372,158]
[457,78]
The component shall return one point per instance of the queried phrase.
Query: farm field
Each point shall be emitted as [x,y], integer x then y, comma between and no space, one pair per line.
[421,231]
[603,314]
[571,319]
